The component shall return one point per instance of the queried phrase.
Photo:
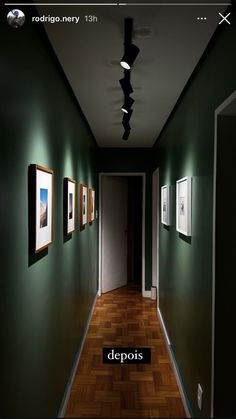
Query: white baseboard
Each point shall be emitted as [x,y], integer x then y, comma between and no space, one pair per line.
[65,399]
[146,294]
[163,327]
[178,379]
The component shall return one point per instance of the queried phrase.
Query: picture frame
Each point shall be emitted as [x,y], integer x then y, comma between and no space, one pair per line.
[70,206]
[165,205]
[91,205]
[43,207]
[83,205]
[183,205]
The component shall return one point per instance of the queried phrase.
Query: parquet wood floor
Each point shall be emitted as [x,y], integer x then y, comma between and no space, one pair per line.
[123,318]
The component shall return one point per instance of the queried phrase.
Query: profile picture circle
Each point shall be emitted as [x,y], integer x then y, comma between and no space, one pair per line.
[16,18]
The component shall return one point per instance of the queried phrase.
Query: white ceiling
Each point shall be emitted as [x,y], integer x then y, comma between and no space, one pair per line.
[90,52]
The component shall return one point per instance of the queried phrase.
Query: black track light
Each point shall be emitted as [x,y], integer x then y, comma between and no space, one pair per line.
[126,86]
[126,125]
[127,105]
[127,116]
[129,57]
[130,53]
[126,135]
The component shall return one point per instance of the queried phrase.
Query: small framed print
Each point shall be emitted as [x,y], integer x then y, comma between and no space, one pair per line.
[91,213]
[43,209]
[70,197]
[183,205]
[165,205]
[83,205]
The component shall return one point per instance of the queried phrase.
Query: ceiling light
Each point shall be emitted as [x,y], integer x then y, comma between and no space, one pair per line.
[127,105]
[126,125]
[129,56]
[127,116]
[126,135]
[126,86]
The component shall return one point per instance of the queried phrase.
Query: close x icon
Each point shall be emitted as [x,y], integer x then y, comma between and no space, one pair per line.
[225,18]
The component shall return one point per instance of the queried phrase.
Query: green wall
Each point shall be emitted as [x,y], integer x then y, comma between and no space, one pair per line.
[186,148]
[133,160]
[45,300]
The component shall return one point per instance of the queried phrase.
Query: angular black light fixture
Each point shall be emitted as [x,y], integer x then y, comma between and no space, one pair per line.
[130,53]
[126,85]
[127,116]
[129,56]
[126,135]
[126,125]
[127,105]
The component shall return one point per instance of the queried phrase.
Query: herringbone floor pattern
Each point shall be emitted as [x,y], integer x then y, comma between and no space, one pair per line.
[123,318]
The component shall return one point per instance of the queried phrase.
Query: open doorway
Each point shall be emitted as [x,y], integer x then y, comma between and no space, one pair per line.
[224,285]
[122,231]
[134,231]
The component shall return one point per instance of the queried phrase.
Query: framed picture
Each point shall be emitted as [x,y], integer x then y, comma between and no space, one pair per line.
[44,184]
[70,188]
[91,213]
[165,205]
[183,205]
[83,205]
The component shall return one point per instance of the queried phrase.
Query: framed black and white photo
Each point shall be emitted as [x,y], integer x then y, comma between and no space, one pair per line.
[183,205]
[83,205]
[165,205]
[43,207]
[70,199]
[91,213]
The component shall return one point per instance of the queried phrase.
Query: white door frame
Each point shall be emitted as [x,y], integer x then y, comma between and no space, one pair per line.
[143,175]
[155,231]
[218,111]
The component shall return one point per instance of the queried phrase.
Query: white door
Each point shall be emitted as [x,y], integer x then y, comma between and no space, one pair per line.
[114,213]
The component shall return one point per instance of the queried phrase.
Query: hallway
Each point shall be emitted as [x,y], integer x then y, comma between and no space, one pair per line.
[123,318]
[139,94]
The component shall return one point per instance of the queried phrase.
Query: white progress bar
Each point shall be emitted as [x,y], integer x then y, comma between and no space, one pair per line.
[117,4]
